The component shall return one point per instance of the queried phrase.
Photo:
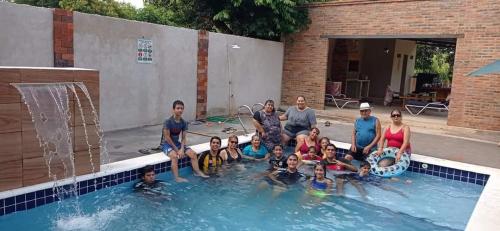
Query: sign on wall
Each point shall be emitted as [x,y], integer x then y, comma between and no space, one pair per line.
[144,51]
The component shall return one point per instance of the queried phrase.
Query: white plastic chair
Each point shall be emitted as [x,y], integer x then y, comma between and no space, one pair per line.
[341,101]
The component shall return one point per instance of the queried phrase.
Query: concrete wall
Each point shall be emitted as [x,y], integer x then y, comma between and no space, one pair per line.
[253,73]
[134,94]
[25,36]
[403,47]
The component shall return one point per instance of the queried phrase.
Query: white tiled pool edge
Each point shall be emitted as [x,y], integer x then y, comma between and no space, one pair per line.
[484,216]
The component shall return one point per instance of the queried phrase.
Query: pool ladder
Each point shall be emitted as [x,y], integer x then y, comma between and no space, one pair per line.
[251,110]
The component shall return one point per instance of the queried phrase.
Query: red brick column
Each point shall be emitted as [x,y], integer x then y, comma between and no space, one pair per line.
[202,75]
[63,38]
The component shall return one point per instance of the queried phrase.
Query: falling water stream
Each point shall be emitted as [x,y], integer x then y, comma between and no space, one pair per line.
[48,105]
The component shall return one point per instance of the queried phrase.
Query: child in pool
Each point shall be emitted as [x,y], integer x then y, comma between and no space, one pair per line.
[319,185]
[363,176]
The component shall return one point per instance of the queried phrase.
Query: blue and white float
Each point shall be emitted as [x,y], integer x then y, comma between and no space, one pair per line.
[389,171]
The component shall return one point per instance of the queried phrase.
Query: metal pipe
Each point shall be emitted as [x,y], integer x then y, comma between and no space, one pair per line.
[239,117]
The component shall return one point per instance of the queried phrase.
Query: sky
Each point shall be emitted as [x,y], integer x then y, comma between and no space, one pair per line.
[135,3]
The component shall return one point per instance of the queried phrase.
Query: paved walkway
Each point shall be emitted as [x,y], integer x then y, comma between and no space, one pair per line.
[430,137]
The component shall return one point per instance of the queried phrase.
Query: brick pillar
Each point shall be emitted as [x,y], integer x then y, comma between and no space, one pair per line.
[202,75]
[63,38]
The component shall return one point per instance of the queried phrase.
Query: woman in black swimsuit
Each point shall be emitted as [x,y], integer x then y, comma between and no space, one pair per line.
[232,153]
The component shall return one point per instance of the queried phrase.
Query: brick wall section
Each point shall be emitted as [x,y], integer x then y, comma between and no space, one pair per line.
[475,101]
[63,38]
[202,75]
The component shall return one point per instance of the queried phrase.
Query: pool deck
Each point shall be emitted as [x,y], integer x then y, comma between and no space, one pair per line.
[430,136]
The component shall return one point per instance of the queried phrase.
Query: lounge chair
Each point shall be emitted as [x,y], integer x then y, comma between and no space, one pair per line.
[420,106]
[340,101]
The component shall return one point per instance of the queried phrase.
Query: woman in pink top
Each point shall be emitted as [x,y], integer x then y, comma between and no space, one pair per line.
[310,140]
[397,135]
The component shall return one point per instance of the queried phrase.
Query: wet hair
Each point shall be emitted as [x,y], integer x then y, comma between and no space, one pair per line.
[277,145]
[317,130]
[293,154]
[215,138]
[232,136]
[364,164]
[323,166]
[396,110]
[146,169]
[331,145]
[272,102]
[301,96]
[177,102]
[311,148]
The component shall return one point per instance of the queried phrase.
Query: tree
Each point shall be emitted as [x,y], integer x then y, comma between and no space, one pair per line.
[440,66]
[40,3]
[267,19]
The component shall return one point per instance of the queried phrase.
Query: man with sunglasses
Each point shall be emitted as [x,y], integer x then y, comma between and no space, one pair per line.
[365,135]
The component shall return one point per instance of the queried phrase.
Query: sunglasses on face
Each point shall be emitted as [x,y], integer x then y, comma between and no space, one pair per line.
[233,142]
[395,115]
[328,149]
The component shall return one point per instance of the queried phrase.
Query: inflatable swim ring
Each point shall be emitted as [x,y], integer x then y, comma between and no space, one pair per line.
[389,171]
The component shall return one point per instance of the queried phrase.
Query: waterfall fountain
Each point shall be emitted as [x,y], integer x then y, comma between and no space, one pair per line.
[48,105]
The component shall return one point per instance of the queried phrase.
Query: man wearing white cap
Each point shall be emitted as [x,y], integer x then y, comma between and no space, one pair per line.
[365,135]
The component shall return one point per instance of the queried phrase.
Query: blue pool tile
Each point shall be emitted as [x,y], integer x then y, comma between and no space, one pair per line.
[98,186]
[98,180]
[449,176]
[163,165]
[169,164]
[464,173]
[82,184]
[40,194]
[49,199]
[10,209]
[82,191]
[120,180]
[464,179]
[133,177]
[435,173]
[471,180]
[21,199]
[486,177]
[1,203]
[455,177]
[120,175]
[481,182]
[30,196]
[9,201]
[48,192]
[442,174]
[127,173]
[30,204]
[126,179]
[472,175]
[450,171]
[2,211]
[480,176]
[21,206]
[40,201]
[91,188]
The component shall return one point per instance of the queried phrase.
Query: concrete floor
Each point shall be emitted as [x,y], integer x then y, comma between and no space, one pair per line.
[430,136]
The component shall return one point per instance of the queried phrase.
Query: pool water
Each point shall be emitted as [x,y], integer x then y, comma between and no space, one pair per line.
[235,201]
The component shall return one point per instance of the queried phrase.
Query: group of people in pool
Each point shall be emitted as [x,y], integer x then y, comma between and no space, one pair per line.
[310,150]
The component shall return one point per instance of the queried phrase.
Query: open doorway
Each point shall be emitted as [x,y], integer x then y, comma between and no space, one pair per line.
[364,68]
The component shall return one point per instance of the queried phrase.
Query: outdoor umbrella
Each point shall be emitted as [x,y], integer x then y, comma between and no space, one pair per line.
[488,69]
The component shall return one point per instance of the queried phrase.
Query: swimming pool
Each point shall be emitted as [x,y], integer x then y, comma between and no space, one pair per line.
[233,202]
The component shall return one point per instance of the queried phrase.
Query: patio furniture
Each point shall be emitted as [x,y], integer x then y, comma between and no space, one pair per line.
[340,101]
[420,106]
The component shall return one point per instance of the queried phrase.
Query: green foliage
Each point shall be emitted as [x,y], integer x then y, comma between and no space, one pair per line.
[40,3]
[425,53]
[267,19]
[101,7]
[440,66]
